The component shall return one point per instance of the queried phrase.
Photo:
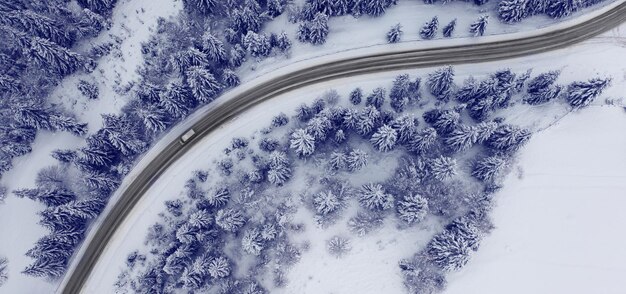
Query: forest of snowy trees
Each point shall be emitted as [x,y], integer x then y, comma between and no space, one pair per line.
[237,214]
[194,58]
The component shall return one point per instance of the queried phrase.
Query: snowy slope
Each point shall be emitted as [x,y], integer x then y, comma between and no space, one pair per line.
[559,223]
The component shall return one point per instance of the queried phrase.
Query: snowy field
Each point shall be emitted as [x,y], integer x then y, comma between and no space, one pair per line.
[558,220]
[579,62]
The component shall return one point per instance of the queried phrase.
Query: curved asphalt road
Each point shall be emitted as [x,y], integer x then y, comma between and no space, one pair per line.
[410,59]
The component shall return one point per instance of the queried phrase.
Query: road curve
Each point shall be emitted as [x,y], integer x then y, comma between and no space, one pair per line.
[409,59]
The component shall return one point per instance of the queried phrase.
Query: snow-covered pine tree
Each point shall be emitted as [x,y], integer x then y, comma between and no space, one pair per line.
[511,11]
[49,196]
[489,168]
[302,142]
[450,250]
[245,20]
[544,95]
[64,155]
[385,138]
[176,100]
[318,29]
[219,267]
[326,202]
[543,81]
[213,47]
[54,58]
[356,96]
[442,167]
[230,219]
[429,30]
[406,126]
[219,197]
[508,138]
[581,94]
[153,117]
[338,246]
[443,121]
[440,83]
[461,138]
[101,6]
[4,270]
[374,197]
[485,130]
[319,127]
[251,242]
[562,8]
[478,27]
[282,41]
[278,175]
[368,119]
[237,56]
[395,34]
[365,222]
[46,267]
[258,45]
[202,83]
[412,208]
[275,8]
[541,89]
[377,98]
[377,7]
[422,141]
[400,93]
[357,159]
[122,133]
[449,29]
[230,78]
[338,160]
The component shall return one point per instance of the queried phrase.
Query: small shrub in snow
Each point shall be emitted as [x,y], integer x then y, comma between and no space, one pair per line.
[89,90]
[338,246]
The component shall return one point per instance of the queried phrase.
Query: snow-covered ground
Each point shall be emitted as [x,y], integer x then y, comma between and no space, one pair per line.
[576,63]
[559,222]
